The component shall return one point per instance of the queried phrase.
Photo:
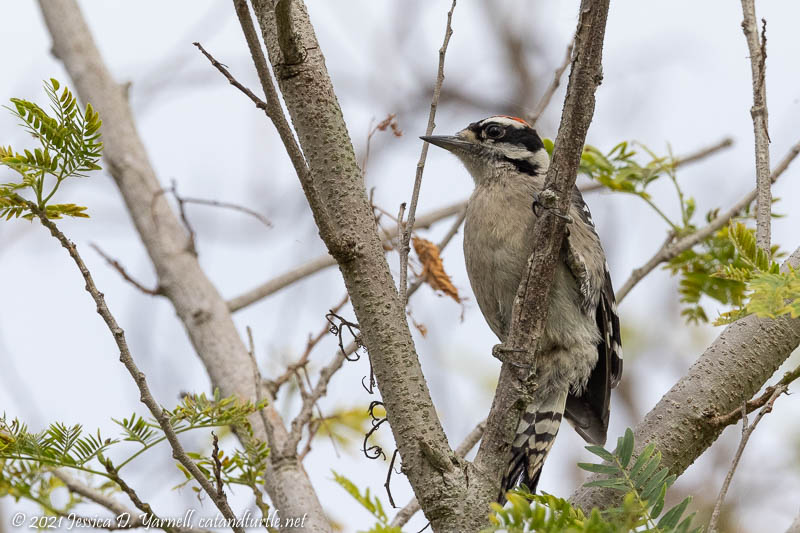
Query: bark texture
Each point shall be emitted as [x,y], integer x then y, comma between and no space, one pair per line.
[729,372]
[202,310]
[517,382]
[338,200]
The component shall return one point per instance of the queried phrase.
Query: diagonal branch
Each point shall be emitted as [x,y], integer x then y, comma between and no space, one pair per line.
[730,371]
[672,249]
[530,306]
[533,118]
[138,376]
[196,301]
[335,191]
[98,497]
[747,430]
[324,261]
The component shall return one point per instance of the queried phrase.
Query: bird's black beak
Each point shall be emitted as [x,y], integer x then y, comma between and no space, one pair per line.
[451,143]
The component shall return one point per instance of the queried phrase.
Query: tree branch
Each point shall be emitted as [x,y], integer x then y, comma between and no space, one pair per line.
[752,405]
[119,268]
[197,302]
[759,113]
[469,442]
[324,261]
[747,430]
[408,227]
[98,497]
[341,209]
[671,249]
[533,118]
[138,376]
[530,306]
[730,371]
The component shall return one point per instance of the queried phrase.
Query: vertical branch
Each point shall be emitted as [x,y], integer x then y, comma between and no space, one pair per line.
[530,305]
[412,210]
[758,66]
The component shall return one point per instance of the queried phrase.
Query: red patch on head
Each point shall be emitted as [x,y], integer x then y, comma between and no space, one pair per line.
[517,119]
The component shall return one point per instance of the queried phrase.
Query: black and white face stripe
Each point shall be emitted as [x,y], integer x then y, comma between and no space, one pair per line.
[513,140]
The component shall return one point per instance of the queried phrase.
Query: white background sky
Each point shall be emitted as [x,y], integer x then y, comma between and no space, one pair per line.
[676,73]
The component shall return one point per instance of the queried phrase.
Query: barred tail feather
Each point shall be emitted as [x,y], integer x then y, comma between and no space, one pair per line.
[535,435]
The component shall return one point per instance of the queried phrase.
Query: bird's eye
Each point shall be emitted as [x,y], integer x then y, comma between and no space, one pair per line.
[494,131]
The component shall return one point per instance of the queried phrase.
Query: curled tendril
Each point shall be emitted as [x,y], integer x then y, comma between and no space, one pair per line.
[374,451]
[338,330]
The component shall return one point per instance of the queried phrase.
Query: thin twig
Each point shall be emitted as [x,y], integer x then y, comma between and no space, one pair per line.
[544,101]
[98,497]
[701,154]
[671,250]
[324,261]
[119,268]
[677,162]
[146,396]
[442,244]
[273,108]
[127,489]
[752,405]
[404,245]
[229,205]
[760,116]
[217,464]
[321,388]
[469,442]
[251,351]
[388,483]
[261,104]
[293,368]
[747,431]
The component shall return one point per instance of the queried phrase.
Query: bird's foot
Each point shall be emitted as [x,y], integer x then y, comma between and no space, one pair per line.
[546,201]
[501,352]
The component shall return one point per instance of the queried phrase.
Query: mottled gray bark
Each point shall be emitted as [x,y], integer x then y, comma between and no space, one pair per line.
[730,371]
[202,310]
[517,383]
[338,200]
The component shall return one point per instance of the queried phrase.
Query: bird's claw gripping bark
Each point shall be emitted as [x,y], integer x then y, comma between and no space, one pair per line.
[545,201]
[501,351]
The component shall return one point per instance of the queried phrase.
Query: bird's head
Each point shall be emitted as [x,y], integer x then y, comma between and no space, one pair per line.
[500,142]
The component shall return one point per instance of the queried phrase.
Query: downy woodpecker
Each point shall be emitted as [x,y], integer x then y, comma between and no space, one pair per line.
[579,358]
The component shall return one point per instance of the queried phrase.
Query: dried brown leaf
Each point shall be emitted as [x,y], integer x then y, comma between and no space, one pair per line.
[432,268]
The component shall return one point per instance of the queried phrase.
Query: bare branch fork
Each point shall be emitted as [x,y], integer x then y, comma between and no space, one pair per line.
[138,376]
[747,431]
[530,306]
[408,226]
[759,113]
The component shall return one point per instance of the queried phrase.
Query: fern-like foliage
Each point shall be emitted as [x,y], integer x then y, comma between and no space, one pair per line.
[371,503]
[69,146]
[770,292]
[27,459]
[643,483]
